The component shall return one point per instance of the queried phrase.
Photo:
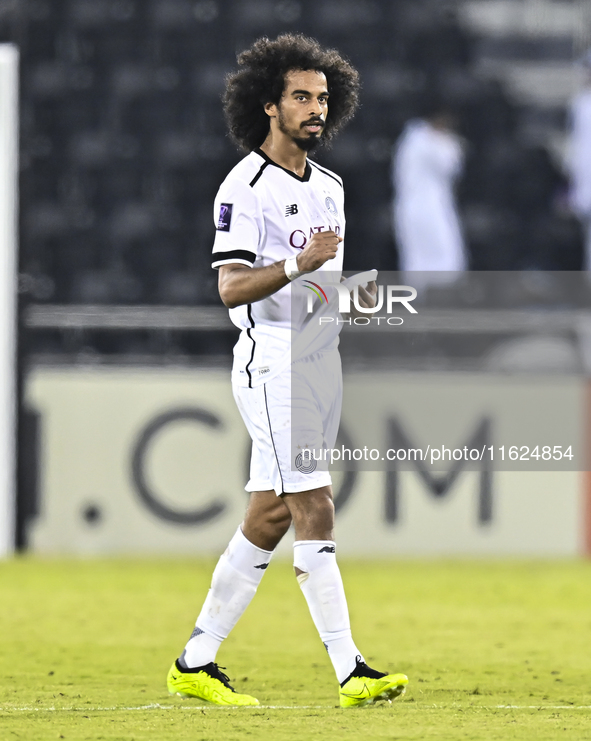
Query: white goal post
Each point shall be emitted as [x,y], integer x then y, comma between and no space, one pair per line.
[9,58]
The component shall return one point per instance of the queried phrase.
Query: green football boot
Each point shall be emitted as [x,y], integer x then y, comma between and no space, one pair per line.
[206,683]
[365,686]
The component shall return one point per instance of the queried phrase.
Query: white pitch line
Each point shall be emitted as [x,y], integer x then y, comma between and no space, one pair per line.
[542,707]
[157,706]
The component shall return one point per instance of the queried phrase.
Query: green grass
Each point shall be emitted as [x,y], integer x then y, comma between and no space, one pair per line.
[493,650]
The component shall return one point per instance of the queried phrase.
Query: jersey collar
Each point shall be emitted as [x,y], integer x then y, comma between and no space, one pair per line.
[307,170]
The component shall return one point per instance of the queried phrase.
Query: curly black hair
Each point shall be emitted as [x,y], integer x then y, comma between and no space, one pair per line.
[260,79]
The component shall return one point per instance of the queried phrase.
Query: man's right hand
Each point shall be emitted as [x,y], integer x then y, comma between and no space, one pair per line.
[322,247]
[241,285]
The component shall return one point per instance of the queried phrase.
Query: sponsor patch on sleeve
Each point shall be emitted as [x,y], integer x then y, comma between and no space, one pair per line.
[225,217]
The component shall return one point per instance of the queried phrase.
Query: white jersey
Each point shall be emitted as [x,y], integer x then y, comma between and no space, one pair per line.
[263,214]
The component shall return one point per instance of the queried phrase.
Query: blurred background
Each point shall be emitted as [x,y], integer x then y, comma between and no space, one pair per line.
[122,148]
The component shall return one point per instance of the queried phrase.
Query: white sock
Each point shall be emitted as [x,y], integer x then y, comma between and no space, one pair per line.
[234,582]
[322,586]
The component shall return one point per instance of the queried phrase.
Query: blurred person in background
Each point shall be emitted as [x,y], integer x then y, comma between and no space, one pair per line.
[279,216]
[579,160]
[427,161]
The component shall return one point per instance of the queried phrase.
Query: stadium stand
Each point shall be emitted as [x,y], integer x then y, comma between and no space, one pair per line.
[123,141]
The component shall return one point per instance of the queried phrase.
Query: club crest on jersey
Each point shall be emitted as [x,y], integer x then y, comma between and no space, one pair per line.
[225,217]
[331,206]
[305,465]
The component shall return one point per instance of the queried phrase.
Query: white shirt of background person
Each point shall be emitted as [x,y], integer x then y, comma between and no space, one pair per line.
[427,161]
[579,156]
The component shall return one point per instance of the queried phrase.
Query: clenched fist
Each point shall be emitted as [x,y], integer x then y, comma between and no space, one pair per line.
[321,247]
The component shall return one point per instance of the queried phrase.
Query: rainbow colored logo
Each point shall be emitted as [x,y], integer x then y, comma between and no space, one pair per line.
[315,288]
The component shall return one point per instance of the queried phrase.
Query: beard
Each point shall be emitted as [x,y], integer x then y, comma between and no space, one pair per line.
[306,144]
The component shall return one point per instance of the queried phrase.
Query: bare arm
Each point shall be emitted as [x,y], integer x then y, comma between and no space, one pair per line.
[240,285]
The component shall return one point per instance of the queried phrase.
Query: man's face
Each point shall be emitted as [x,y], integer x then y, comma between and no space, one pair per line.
[301,113]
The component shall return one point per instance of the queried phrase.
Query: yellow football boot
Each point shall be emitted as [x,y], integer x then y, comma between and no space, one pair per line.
[365,686]
[206,683]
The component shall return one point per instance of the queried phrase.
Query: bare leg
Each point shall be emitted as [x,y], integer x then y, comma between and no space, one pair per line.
[267,519]
[312,513]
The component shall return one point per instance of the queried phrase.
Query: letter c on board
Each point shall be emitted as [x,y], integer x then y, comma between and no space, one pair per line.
[138,467]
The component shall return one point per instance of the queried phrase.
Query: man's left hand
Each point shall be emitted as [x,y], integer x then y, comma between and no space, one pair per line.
[367,297]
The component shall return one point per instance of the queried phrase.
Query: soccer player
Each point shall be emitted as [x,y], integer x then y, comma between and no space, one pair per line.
[279,216]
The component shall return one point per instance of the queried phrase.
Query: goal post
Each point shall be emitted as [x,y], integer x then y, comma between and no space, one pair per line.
[9,59]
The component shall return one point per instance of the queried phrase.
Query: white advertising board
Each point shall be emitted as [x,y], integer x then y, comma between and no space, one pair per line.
[152,461]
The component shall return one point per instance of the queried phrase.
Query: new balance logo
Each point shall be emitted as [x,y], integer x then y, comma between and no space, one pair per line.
[291,210]
[327,549]
[262,566]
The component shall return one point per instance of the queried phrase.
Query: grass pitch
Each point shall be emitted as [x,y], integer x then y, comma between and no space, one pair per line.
[493,650]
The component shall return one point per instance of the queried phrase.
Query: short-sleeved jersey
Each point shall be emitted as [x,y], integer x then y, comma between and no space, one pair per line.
[263,214]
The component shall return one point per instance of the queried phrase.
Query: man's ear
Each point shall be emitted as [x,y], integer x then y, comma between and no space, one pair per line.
[271,110]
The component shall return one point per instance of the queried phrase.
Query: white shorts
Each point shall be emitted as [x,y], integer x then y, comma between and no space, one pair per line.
[297,410]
